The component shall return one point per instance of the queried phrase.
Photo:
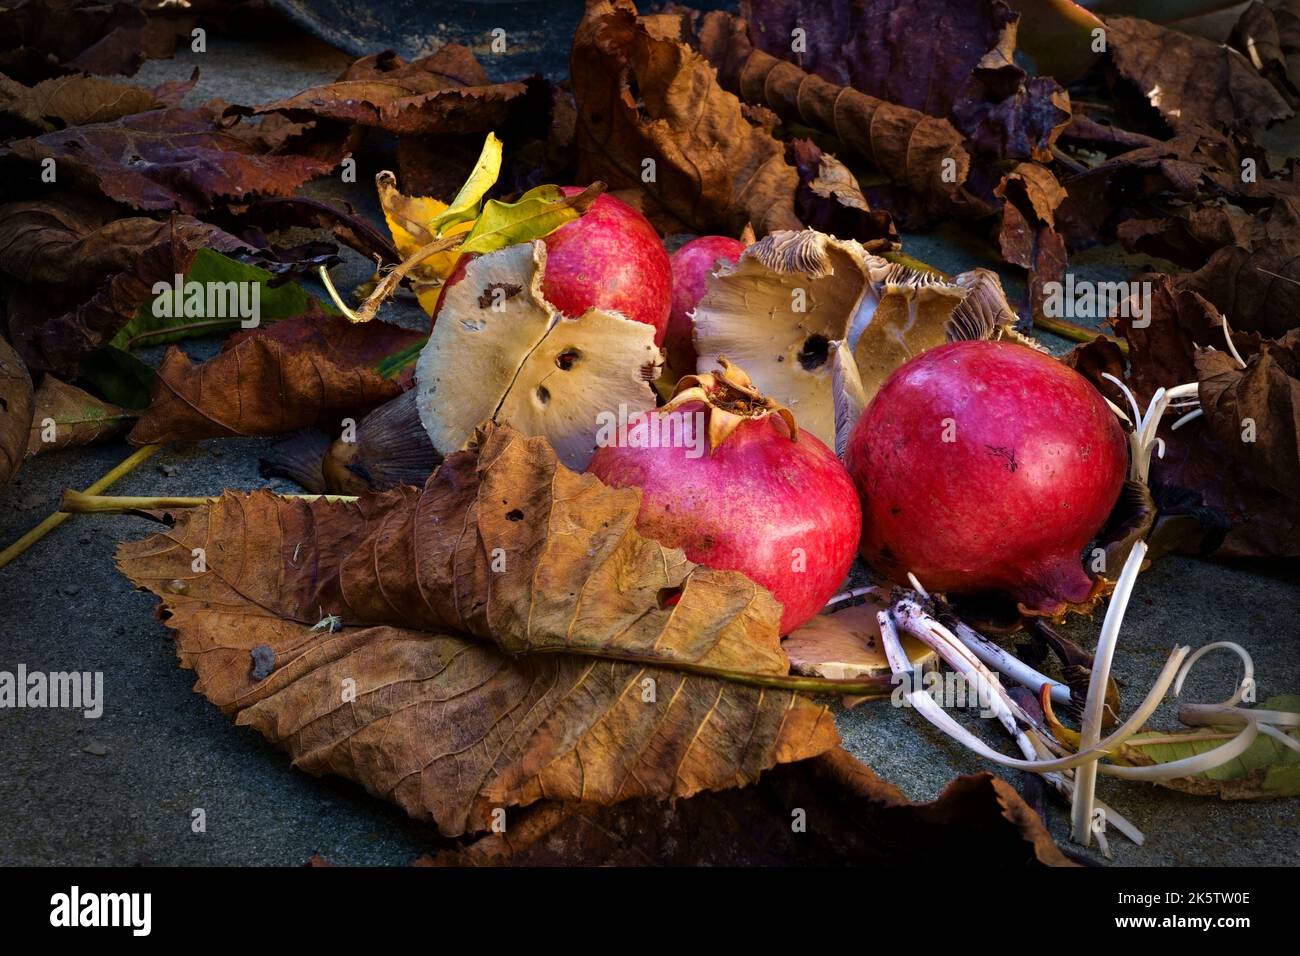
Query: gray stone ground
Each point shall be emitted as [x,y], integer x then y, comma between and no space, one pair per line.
[120,790]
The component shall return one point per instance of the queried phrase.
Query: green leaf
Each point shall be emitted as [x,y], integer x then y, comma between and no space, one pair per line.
[1266,769]
[274,302]
[482,178]
[391,366]
[538,213]
[118,376]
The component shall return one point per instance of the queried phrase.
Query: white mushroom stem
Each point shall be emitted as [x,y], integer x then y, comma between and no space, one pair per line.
[1143,440]
[1085,778]
[853,594]
[1008,664]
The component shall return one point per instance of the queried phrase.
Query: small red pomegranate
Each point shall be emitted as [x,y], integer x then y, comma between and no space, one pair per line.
[987,467]
[610,258]
[692,265]
[727,476]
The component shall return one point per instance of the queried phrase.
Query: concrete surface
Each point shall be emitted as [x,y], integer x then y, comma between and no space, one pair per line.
[121,789]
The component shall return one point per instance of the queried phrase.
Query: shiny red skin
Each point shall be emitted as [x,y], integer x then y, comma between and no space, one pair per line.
[692,264]
[747,506]
[610,258]
[1036,464]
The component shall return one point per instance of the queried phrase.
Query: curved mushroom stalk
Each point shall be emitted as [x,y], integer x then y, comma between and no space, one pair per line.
[501,351]
[820,323]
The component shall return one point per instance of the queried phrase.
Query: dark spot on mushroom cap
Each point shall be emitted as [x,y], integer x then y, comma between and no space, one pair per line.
[816,350]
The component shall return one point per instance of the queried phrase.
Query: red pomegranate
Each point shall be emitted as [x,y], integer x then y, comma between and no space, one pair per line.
[987,467]
[743,489]
[609,258]
[692,265]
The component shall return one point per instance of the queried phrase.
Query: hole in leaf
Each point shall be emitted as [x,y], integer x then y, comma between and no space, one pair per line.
[566,359]
[543,395]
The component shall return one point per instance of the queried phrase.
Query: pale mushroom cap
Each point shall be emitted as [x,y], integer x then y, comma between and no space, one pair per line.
[500,351]
[776,312]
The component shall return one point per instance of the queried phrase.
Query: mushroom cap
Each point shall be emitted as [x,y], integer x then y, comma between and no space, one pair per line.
[499,350]
[777,311]
[819,323]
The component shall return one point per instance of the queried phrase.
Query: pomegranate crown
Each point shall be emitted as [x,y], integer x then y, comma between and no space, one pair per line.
[730,397]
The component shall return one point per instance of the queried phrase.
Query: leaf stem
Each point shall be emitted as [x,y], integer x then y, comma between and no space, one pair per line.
[87,502]
[1075,333]
[127,466]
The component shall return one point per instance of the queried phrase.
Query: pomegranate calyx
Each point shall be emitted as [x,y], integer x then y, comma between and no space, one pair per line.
[729,396]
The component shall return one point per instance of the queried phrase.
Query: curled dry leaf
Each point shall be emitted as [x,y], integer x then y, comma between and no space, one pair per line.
[15,411]
[829,200]
[1189,79]
[305,371]
[501,352]
[443,593]
[184,159]
[643,94]
[948,58]
[1027,234]
[819,323]
[864,821]
[445,93]
[1260,402]
[922,154]
[65,416]
[80,274]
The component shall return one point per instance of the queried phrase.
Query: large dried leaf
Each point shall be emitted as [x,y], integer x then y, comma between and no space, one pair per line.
[182,159]
[922,154]
[643,94]
[852,818]
[15,411]
[1190,79]
[311,370]
[503,553]
[445,93]
[80,274]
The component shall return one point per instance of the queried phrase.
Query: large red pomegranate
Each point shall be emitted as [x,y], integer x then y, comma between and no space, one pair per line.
[692,264]
[609,258]
[742,489]
[987,467]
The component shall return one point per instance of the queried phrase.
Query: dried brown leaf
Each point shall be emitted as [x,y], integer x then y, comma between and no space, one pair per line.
[1189,79]
[504,553]
[309,370]
[184,159]
[922,154]
[77,99]
[643,94]
[854,818]
[445,93]
[64,416]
